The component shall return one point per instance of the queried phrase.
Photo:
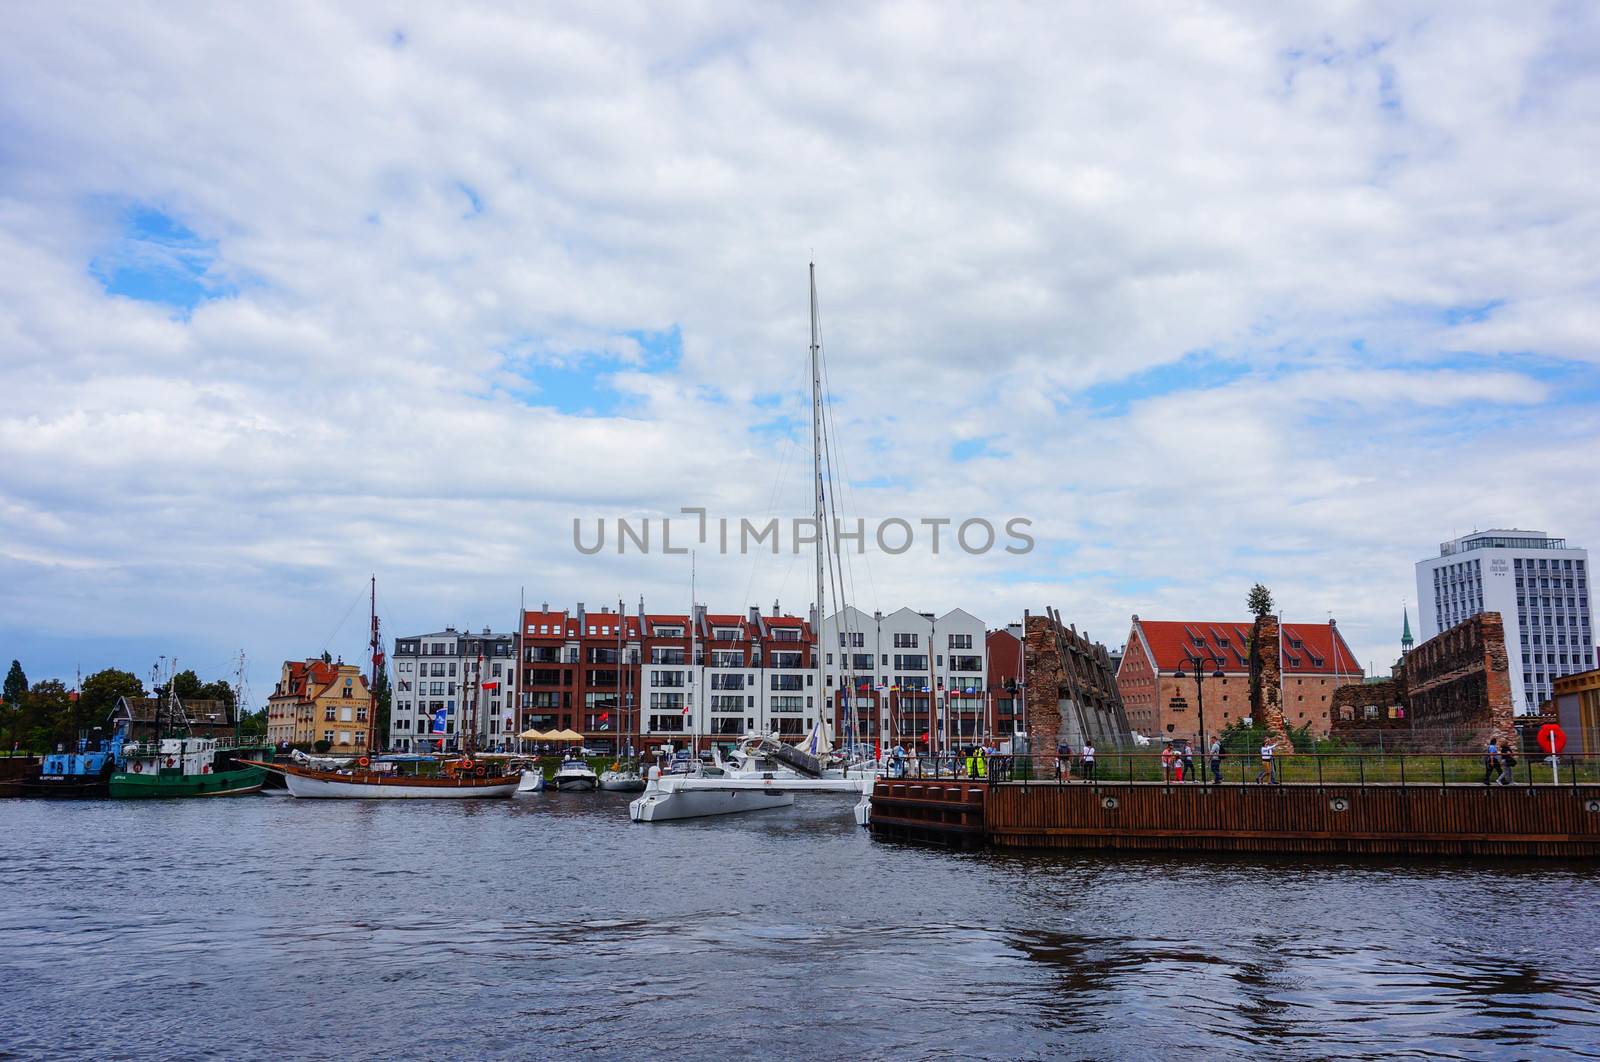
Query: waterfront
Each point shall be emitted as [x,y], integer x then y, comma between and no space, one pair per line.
[269,926]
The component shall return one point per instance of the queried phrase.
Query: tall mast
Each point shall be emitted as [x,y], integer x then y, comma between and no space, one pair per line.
[376,662]
[816,480]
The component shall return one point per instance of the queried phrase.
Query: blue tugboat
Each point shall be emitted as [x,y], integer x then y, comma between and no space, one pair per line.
[85,773]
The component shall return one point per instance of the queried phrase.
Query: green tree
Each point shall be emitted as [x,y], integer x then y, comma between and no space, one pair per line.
[50,715]
[254,724]
[1260,601]
[186,684]
[382,694]
[217,691]
[100,692]
[15,697]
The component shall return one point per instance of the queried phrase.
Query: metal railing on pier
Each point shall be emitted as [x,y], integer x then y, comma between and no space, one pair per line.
[1360,769]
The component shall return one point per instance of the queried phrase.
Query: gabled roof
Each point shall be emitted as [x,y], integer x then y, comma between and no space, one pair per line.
[1305,648]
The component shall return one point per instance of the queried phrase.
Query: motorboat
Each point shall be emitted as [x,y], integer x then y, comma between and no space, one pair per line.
[704,793]
[574,776]
[767,758]
[622,780]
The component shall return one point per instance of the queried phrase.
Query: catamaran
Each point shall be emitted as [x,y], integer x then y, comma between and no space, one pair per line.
[765,772]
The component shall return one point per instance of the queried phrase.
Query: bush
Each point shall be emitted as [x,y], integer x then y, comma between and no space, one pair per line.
[322,745]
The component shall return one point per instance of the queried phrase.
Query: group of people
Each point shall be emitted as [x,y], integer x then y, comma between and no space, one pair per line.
[1498,763]
[1086,762]
[976,761]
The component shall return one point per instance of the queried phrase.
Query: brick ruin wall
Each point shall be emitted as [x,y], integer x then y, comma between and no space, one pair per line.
[1461,681]
[1071,698]
[1267,652]
[1454,690]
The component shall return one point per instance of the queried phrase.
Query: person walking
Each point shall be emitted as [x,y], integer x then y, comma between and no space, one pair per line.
[1508,763]
[1491,762]
[1086,758]
[1064,763]
[1186,768]
[1168,758]
[1269,765]
[1216,761]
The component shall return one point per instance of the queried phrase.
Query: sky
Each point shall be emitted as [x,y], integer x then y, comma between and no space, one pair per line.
[293,295]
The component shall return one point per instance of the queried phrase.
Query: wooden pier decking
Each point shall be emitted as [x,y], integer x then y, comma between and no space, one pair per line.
[1377,818]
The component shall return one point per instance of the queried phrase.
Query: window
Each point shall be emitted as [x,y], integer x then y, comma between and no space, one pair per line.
[327,714]
[960,641]
[666,700]
[905,641]
[725,634]
[666,678]
[327,735]
[666,724]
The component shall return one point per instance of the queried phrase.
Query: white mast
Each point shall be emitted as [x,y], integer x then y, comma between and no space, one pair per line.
[816,479]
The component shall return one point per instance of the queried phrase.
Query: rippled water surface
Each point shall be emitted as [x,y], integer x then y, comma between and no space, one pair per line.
[273,927]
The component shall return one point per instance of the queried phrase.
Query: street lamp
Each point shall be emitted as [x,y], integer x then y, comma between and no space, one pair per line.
[1200,697]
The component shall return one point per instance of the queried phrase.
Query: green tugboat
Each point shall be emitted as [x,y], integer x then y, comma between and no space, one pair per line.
[185,767]
[177,762]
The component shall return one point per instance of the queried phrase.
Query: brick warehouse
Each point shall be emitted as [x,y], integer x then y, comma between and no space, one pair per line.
[1312,662]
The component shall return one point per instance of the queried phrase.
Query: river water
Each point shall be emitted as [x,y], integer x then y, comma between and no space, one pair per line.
[547,926]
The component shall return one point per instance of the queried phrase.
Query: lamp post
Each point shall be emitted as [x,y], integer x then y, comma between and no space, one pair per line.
[1200,698]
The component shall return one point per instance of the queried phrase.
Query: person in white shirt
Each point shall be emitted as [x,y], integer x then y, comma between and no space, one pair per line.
[1269,765]
[1086,758]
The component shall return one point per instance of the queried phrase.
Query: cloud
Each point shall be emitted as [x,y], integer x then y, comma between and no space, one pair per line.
[292,296]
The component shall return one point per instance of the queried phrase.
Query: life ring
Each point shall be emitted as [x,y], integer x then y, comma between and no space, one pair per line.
[138,768]
[206,769]
[363,761]
[466,765]
[480,770]
[170,761]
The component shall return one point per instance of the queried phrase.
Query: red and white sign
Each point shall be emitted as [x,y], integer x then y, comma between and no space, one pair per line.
[1552,738]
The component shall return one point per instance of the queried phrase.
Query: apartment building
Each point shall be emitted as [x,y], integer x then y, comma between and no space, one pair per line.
[470,677]
[317,700]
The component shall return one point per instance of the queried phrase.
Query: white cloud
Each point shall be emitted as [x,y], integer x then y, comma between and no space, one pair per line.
[1011,207]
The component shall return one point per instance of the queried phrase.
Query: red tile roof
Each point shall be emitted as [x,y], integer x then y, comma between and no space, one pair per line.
[1307,648]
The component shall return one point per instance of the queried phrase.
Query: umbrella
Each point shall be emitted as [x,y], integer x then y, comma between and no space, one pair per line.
[534,735]
[565,735]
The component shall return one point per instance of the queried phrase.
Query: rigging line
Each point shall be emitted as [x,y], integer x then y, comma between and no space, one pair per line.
[837,565]
[328,641]
[844,471]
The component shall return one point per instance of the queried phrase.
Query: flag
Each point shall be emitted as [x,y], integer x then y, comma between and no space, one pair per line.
[492,685]
[969,689]
[924,689]
[438,721]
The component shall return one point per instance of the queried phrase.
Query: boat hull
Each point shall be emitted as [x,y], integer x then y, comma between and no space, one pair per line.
[670,799]
[575,784]
[66,787]
[531,782]
[328,785]
[622,784]
[164,786]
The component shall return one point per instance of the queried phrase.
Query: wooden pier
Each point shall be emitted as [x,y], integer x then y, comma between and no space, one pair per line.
[1441,819]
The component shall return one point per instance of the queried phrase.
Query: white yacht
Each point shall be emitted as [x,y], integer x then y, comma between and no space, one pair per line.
[705,792]
[574,775]
[808,767]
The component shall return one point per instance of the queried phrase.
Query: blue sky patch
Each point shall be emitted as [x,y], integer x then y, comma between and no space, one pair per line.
[969,449]
[582,385]
[159,259]
[1197,370]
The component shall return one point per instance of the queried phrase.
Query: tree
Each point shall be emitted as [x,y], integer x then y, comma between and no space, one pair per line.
[101,691]
[322,745]
[49,714]
[1260,601]
[254,724]
[186,684]
[15,697]
[382,695]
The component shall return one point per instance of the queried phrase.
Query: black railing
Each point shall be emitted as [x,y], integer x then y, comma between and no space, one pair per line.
[1410,769]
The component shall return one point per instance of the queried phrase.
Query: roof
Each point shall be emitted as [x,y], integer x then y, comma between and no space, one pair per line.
[196,712]
[1307,648]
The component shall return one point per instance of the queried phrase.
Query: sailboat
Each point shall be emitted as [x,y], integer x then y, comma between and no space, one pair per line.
[402,778]
[766,772]
[623,777]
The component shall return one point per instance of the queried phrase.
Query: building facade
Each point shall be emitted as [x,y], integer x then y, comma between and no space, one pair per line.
[1313,657]
[1577,705]
[1539,586]
[685,679]
[471,677]
[315,700]
[907,676]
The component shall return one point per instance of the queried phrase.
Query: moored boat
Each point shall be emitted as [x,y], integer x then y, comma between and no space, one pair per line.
[574,775]
[454,780]
[184,767]
[701,795]
[84,773]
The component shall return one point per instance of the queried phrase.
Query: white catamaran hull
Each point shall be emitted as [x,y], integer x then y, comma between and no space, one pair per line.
[694,798]
[338,790]
[531,782]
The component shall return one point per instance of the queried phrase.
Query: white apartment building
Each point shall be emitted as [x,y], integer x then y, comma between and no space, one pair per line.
[465,675]
[1539,586]
[911,654]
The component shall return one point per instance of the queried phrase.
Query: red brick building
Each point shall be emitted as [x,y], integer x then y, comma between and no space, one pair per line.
[1315,662]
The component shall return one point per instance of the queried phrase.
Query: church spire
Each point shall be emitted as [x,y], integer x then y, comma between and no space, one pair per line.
[1406,640]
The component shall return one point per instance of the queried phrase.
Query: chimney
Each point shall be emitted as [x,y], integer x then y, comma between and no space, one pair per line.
[581,617]
[775,610]
[755,614]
